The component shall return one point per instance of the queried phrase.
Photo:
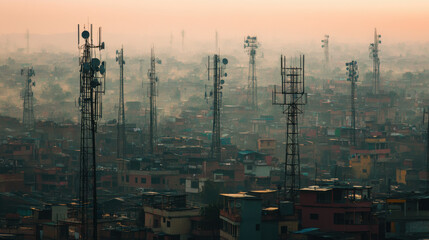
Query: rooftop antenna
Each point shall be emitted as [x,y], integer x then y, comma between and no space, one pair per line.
[373,53]
[28,112]
[325,46]
[183,40]
[251,44]
[292,97]
[217,68]
[352,76]
[92,86]
[28,41]
[121,138]
[153,93]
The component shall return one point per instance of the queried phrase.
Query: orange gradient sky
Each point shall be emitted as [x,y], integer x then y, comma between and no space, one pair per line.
[401,20]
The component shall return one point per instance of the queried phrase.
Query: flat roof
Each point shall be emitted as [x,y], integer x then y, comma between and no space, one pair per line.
[237,195]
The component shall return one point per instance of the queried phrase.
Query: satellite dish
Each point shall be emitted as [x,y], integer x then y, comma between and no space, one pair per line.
[222,81]
[34,84]
[94,83]
[95,62]
[85,34]
[102,69]
[226,75]
[225,61]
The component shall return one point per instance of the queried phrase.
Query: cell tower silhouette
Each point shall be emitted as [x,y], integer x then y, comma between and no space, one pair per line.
[27,94]
[325,46]
[92,82]
[353,75]
[153,93]
[121,138]
[216,67]
[373,53]
[292,97]
[251,44]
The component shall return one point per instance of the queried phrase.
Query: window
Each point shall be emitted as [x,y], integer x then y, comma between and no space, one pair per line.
[194,184]
[163,219]
[324,197]
[364,170]
[257,227]
[155,180]
[283,229]
[142,180]
[135,180]
[314,216]
[127,178]
[122,178]
[249,167]
[338,218]
[168,224]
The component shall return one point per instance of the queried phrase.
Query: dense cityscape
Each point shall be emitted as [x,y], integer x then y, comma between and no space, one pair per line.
[234,140]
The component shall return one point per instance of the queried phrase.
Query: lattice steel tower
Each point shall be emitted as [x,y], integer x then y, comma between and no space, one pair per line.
[28,113]
[153,93]
[352,76]
[121,138]
[373,53]
[291,97]
[251,44]
[216,67]
[325,46]
[92,82]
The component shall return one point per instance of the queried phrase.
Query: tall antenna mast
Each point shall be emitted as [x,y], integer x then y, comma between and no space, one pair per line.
[216,67]
[92,83]
[183,40]
[251,44]
[28,113]
[325,46]
[121,138]
[373,53]
[353,76]
[153,93]
[291,97]
[28,41]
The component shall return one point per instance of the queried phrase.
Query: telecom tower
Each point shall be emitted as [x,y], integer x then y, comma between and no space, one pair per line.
[28,41]
[27,94]
[373,53]
[291,97]
[353,76]
[426,112]
[217,68]
[153,93]
[325,46]
[121,138]
[92,82]
[251,44]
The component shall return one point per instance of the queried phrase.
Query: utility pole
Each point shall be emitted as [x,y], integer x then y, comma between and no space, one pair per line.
[216,67]
[121,138]
[353,76]
[373,53]
[292,97]
[251,44]
[28,111]
[153,93]
[92,82]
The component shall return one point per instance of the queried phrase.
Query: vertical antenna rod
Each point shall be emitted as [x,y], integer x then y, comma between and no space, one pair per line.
[291,97]
[353,76]
[153,93]
[121,138]
[251,44]
[92,81]
[28,111]
[325,46]
[373,53]
[217,68]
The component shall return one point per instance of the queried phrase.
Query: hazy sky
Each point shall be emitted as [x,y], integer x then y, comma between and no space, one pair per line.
[397,20]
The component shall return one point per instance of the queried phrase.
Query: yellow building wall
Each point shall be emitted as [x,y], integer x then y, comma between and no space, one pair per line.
[401,176]
[361,167]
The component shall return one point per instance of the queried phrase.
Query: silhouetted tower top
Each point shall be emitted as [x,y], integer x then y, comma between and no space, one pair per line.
[28,120]
[251,44]
[374,55]
[121,137]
